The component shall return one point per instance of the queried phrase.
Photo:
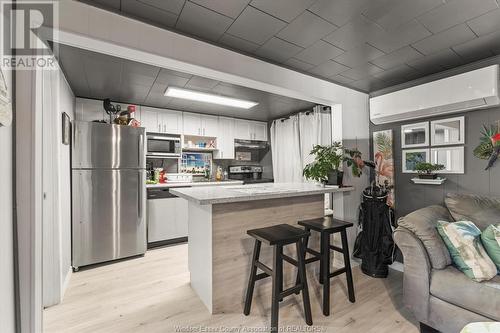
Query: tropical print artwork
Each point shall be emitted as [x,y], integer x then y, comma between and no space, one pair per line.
[489,146]
[384,162]
[463,240]
[414,158]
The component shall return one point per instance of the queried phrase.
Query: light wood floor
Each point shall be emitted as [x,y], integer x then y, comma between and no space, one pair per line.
[152,294]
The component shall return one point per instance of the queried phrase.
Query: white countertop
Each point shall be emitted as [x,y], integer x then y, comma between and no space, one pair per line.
[196,184]
[225,194]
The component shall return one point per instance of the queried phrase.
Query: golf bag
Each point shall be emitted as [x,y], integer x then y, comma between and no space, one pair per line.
[374,244]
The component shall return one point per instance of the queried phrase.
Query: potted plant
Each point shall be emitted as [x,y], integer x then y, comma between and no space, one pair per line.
[326,167]
[428,170]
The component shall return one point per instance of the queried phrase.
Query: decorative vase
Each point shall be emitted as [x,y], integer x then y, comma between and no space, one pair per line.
[427,175]
[335,178]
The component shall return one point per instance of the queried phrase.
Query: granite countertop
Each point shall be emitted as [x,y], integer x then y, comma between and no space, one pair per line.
[196,184]
[225,194]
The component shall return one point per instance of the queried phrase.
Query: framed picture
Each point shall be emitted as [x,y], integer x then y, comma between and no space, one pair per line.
[66,128]
[384,162]
[451,157]
[415,135]
[450,131]
[411,157]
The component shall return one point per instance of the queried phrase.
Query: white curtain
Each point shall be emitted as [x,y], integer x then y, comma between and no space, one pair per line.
[293,139]
[285,147]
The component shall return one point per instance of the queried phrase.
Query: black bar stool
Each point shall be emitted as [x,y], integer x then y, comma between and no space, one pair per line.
[279,236]
[327,226]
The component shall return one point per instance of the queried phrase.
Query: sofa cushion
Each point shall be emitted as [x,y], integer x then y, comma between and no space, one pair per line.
[463,240]
[452,286]
[481,210]
[423,224]
[491,241]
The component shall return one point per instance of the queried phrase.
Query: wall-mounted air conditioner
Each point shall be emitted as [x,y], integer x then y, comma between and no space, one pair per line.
[476,89]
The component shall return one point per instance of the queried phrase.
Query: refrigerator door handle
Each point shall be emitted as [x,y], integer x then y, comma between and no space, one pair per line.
[140,151]
[140,196]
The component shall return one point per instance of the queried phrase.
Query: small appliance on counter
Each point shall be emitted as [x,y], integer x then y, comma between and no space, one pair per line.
[249,174]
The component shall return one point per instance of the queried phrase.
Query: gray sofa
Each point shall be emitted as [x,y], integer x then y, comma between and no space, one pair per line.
[439,295]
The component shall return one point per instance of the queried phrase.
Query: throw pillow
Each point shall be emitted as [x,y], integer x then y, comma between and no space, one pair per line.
[463,240]
[491,241]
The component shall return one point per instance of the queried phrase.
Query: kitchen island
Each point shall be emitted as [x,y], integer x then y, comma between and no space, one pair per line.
[219,248]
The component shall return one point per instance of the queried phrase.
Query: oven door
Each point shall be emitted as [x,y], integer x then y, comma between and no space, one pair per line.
[163,147]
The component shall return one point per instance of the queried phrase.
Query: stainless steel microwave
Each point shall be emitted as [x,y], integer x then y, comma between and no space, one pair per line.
[163,146]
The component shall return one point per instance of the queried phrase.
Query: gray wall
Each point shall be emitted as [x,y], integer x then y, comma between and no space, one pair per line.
[410,197]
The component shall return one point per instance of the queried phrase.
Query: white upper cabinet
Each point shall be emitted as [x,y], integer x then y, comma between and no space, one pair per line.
[250,130]
[90,110]
[200,125]
[192,124]
[161,120]
[225,139]
[149,120]
[210,125]
[171,121]
[242,129]
[259,131]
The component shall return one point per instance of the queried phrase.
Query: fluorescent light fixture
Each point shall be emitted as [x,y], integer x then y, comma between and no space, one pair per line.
[208,98]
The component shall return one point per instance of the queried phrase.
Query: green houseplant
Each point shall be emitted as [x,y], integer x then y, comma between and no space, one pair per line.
[326,167]
[428,170]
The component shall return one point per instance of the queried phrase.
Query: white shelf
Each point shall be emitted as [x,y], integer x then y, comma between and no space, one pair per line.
[198,149]
[437,181]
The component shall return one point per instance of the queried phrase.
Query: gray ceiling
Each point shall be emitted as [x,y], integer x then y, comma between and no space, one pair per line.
[99,76]
[363,44]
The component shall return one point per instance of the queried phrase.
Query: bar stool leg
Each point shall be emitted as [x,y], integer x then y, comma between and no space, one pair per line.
[325,258]
[303,254]
[303,281]
[251,280]
[347,264]
[277,282]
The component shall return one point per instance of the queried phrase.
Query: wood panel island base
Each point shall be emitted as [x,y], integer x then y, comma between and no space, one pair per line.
[220,250]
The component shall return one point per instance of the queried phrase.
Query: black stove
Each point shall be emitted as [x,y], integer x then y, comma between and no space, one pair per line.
[249,174]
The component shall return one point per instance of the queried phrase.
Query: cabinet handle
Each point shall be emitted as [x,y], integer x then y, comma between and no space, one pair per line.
[165,128]
[159,127]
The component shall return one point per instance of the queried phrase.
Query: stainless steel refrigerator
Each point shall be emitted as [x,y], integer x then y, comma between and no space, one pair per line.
[109,192]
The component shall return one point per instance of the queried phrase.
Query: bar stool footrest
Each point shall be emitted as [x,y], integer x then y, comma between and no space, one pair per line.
[292,290]
[337,272]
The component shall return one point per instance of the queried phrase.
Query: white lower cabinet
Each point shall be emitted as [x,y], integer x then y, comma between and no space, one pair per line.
[167,219]
[225,139]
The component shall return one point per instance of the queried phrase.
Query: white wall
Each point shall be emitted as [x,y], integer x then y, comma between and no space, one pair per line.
[7,320]
[57,98]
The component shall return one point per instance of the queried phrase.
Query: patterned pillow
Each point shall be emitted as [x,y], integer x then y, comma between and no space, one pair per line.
[462,238]
[491,241]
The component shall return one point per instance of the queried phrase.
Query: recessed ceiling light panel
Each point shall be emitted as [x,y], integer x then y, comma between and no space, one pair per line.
[208,98]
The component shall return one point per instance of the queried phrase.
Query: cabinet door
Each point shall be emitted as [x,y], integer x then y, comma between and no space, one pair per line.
[259,131]
[150,120]
[192,124]
[171,121]
[242,129]
[225,139]
[210,125]
[90,110]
